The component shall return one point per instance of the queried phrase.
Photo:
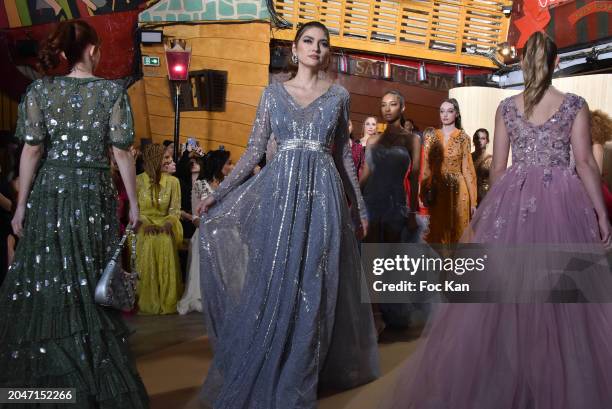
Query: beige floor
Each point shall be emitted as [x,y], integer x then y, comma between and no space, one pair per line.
[173,366]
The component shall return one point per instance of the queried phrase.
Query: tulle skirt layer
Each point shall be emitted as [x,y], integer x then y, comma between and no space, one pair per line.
[280,283]
[532,354]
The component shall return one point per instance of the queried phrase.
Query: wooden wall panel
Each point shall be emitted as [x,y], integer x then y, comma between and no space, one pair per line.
[239,72]
[377,88]
[243,50]
[139,110]
[210,144]
[422,105]
[237,31]
[213,129]
[234,111]
[366,105]
[221,30]
[244,94]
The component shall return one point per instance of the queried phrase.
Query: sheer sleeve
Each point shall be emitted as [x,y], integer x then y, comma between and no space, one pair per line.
[256,148]
[31,127]
[121,124]
[469,173]
[343,158]
[175,197]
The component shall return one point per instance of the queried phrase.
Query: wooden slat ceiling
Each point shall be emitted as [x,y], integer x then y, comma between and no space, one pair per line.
[438,30]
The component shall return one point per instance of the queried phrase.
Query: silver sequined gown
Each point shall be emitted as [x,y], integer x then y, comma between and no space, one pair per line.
[52,333]
[281,273]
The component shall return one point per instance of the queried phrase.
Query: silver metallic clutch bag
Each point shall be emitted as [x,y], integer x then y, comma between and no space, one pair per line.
[117,288]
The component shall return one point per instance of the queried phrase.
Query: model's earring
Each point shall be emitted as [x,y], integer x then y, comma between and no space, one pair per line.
[294,59]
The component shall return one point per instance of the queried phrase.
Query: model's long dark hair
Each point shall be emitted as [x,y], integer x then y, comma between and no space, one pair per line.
[71,38]
[212,169]
[298,35]
[455,104]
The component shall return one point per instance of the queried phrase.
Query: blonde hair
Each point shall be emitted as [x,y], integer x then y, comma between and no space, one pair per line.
[601,127]
[539,57]
[152,157]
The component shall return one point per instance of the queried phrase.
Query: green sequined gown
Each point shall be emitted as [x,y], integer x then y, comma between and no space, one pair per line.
[52,334]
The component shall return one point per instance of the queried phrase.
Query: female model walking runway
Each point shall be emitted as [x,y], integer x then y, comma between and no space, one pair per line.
[280,265]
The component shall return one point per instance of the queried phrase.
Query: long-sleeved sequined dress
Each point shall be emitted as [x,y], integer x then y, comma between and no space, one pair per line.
[449,168]
[280,264]
[52,333]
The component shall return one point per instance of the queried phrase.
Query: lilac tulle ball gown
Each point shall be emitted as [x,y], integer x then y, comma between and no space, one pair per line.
[532,355]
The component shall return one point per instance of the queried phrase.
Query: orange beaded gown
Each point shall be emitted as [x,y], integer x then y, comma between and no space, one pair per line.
[449,170]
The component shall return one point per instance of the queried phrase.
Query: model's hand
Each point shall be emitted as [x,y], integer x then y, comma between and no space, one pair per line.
[196,221]
[472,211]
[167,228]
[150,229]
[205,205]
[134,217]
[362,231]
[17,222]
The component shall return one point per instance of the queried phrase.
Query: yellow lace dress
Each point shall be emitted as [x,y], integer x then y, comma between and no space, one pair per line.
[160,284]
[450,171]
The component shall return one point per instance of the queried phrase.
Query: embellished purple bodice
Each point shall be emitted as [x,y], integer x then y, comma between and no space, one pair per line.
[546,145]
[541,188]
